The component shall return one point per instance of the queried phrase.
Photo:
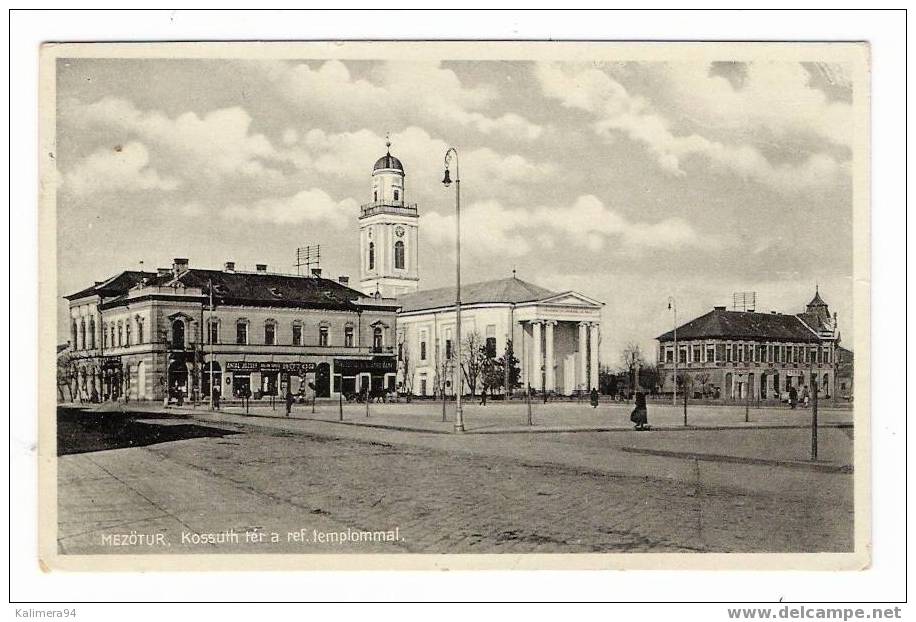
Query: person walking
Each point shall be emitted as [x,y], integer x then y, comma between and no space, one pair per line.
[805,396]
[593,396]
[793,397]
[483,396]
[289,402]
[640,414]
[216,398]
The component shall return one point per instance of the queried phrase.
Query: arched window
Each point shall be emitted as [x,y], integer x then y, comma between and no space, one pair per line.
[399,255]
[371,255]
[139,330]
[270,333]
[396,195]
[348,336]
[74,331]
[178,335]
[120,334]
[127,333]
[112,335]
[241,332]
[377,339]
[92,333]
[104,335]
[323,335]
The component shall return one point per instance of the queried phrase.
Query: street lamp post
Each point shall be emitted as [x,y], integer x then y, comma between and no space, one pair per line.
[672,306]
[452,154]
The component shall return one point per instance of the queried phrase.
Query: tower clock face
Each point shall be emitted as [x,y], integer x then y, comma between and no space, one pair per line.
[399,231]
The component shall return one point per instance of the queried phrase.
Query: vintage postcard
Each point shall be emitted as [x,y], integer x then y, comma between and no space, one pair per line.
[454,305]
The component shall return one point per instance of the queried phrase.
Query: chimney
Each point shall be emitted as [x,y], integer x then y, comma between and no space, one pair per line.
[261,267]
[719,308]
[316,272]
[179,265]
[163,271]
[229,266]
[344,280]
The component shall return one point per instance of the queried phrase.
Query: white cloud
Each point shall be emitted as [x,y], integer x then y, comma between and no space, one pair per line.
[216,145]
[616,110]
[123,168]
[413,91]
[348,154]
[490,228]
[308,206]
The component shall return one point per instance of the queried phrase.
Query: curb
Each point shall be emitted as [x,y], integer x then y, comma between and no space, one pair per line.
[813,466]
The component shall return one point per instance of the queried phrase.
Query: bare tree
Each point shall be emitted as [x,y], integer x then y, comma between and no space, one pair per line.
[702,380]
[632,360]
[405,365]
[473,356]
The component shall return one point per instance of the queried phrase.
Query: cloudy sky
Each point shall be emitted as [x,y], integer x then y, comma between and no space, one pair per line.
[628,182]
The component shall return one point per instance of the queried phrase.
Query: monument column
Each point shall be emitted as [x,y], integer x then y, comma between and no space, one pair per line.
[549,364]
[536,356]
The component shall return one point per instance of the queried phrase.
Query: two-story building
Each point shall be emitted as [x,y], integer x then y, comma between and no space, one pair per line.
[745,354]
[148,333]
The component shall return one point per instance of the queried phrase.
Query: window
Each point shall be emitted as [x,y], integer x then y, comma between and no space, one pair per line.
[448,348]
[112,335]
[491,347]
[120,334]
[297,334]
[241,332]
[127,333]
[104,335]
[682,355]
[396,195]
[399,255]
[372,255]
[696,354]
[669,355]
[83,335]
[423,350]
[375,197]
[377,339]
[720,351]
[214,332]
[177,334]
[735,353]
[92,333]
[348,336]
[400,351]
[270,333]
[73,334]
[710,354]
[322,335]
[139,330]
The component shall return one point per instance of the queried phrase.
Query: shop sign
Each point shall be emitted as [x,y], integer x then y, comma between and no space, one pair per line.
[377,364]
[293,367]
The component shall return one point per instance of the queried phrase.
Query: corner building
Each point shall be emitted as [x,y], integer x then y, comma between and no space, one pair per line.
[747,355]
[146,333]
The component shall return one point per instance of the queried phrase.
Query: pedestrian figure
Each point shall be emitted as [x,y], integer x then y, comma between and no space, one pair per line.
[180,396]
[216,398]
[594,397]
[483,396]
[289,403]
[640,414]
[805,397]
[793,397]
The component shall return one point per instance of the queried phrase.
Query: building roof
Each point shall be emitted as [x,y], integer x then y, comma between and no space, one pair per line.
[509,290]
[388,161]
[817,301]
[113,286]
[722,324]
[259,289]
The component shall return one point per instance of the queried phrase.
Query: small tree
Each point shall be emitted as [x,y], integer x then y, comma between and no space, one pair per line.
[702,381]
[632,360]
[405,365]
[473,355]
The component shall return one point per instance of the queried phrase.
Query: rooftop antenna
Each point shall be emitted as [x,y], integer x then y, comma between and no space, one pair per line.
[308,256]
[744,301]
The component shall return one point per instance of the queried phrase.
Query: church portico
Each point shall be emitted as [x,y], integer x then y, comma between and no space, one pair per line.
[561,354]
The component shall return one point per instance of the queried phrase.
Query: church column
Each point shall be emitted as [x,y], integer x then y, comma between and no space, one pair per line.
[593,375]
[549,364]
[582,376]
[536,357]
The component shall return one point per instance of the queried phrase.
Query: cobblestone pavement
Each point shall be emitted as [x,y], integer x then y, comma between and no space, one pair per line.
[440,501]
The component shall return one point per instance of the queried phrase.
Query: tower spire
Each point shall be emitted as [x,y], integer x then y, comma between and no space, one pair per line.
[388,142]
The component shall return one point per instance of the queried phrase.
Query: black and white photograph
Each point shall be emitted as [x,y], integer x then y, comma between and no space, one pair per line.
[455,305]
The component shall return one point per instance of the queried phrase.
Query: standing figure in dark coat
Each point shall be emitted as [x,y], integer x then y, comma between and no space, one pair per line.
[793,397]
[594,397]
[289,402]
[640,414]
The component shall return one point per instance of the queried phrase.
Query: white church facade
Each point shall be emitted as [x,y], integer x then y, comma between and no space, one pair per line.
[555,335]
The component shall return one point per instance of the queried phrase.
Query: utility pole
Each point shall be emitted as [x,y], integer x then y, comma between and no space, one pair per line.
[210,335]
[672,305]
[814,418]
[528,400]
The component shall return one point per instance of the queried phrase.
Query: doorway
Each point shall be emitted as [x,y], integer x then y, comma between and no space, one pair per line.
[323,380]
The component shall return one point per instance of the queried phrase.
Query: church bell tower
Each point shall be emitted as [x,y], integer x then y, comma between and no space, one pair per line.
[388,228]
